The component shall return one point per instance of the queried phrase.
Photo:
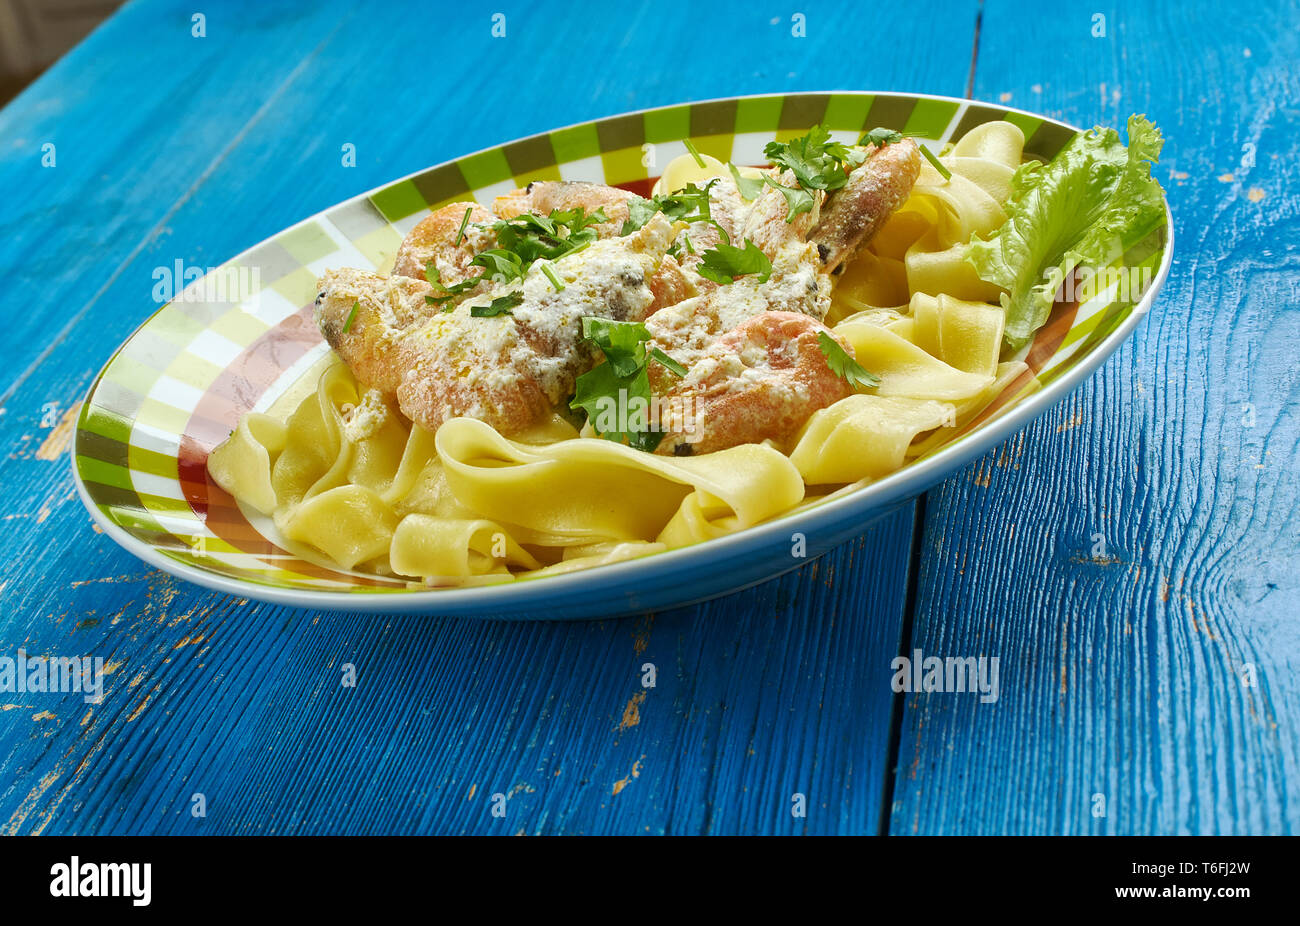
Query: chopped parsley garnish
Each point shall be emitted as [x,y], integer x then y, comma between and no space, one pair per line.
[444,293]
[817,162]
[621,384]
[498,306]
[694,152]
[844,366]
[796,200]
[523,240]
[347,325]
[639,211]
[726,262]
[464,220]
[749,187]
[881,137]
[690,204]
[547,237]
[499,265]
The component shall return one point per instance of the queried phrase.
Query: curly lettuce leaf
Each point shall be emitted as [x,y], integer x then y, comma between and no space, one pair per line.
[1094,201]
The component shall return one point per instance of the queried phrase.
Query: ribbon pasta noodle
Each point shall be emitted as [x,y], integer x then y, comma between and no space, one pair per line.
[348,475]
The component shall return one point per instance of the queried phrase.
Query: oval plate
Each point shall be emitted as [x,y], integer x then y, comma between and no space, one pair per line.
[180,383]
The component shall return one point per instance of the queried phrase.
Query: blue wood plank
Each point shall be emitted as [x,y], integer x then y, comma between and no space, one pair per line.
[1132,559]
[207,149]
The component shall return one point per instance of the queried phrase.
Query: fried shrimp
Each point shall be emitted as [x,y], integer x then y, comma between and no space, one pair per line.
[542,197]
[507,367]
[747,383]
[363,315]
[767,220]
[797,284]
[498,336]
[854,213]
[759,381]
[449,239]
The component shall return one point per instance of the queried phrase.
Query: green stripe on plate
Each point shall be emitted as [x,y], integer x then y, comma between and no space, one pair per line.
[890,112]
[848,112]
[575,144]
[485,168]
[758,114]
[152,462]
[671,124]
[800,113]
[1027,124]
[399,200]
[98,420]
[105,474]
[97,447]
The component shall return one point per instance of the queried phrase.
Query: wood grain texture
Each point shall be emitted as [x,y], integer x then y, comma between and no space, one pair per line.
[1132,558]
[171,147]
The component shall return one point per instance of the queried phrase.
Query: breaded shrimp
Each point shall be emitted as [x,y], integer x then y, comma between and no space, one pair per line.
[544,196]
[797,284]
[385,307]
[765,220]
[434,240]
[854,213]
[506,369]
[759,381]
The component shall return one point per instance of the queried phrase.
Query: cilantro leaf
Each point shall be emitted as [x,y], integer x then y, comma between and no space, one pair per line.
[639,211]
[817,162]
[690,204]
[531,237]
[880,136]
[623,343]
[500,265]
[498,306]
[796,200]
[621,384]
[726,262]
[844,366]
[749,187]
[444,293]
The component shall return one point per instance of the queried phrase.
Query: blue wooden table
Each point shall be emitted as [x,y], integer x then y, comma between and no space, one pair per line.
[1131,559]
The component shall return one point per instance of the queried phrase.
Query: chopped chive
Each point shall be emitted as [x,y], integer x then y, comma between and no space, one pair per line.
[929,156]
[550,275]
[464,220]
[672,365]
[689,248]
[694,152]
[347,325]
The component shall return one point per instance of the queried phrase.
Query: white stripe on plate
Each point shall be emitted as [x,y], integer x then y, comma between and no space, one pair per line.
[215,348]
[175,393]
[149,484]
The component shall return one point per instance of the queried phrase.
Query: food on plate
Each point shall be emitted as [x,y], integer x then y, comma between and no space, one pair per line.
[575,374]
